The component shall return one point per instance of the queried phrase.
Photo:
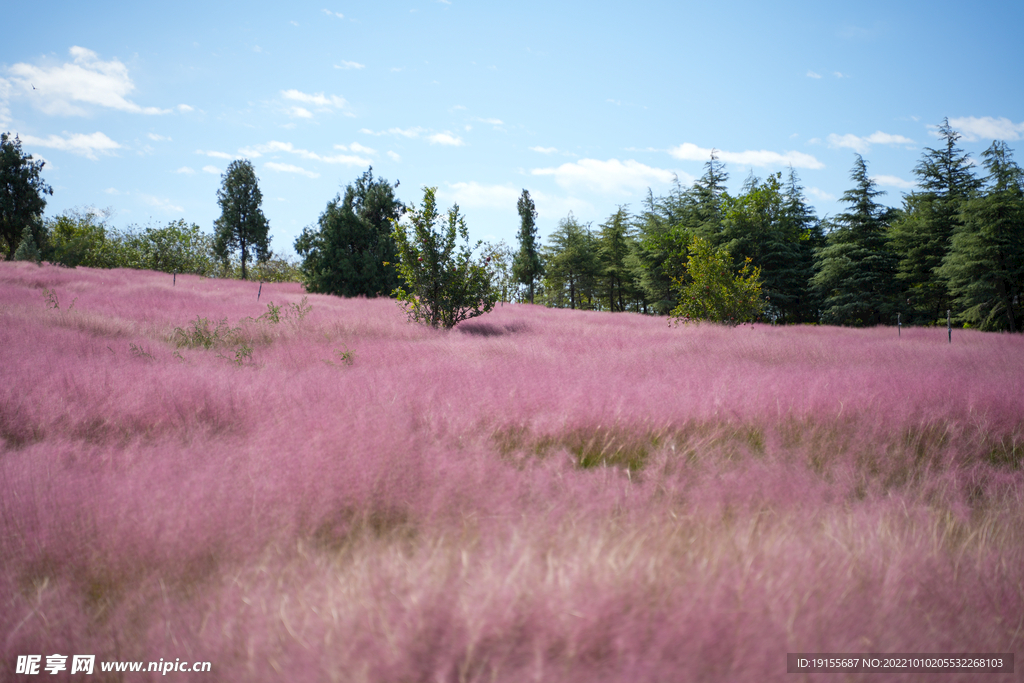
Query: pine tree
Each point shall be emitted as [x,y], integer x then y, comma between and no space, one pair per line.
[613,242]
[527,267]
[27,249]
[856,269]
[572,264]
[658,254]
[930,217]
[985,263]
[347,251]
[242,227]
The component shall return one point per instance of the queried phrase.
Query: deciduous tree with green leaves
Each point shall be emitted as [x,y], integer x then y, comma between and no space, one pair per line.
[444,283]
[242,227]
[22,193]
[713,291]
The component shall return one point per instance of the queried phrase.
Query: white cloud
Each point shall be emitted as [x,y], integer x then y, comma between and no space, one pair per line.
[692,152]
[274,147]
[445,139]
[162,204]
[211,169]
[394,156]
[217,155]
[345,64]
[607,176]
[300,113]
[356,147]
[186,170]
[158,138]
[893,181]
[184,108]
[404,132]
[838,74]
[333,14]
[474,194]
[289,168]
[987,128]
[811,74]
[820,194]
[61,90]
[493,122]
[76,143]
[316,99]
[544,150]
[862,145]
[114,191]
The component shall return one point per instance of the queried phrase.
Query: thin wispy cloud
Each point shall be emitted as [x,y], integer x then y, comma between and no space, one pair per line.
[158,138]
[691,152]
[185,170]
[319,102]
[211,169]
[545,150]
[349,65]
[65,90]
[893,181]
[217,155]
[445,139]
[862,144]
[290,168]
[333,14]
[607,176]
[394,156]
[277,147]
[811,74]
[89,146]
[820,194]
[987,128]
[162,204]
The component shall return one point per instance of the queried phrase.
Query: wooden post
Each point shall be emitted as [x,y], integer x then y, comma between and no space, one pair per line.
[175,280]
[949,327]
[259,292]
[899,326]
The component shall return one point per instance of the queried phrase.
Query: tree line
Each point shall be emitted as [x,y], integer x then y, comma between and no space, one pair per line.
[956,244]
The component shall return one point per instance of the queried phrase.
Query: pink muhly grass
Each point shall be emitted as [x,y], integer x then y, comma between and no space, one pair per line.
[535,495]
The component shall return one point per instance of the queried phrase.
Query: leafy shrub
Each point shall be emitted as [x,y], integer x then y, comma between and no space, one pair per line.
[712,292]
[446,285]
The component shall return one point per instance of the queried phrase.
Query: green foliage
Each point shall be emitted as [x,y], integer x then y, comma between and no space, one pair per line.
[242,227]
[985,264]
[922,234]
[572,266]
[500,261]
[658,254]
[527,267]
[351,251]
[203,333]
[856,268]
[27,249]
[53,302]
[444,284]
[346,358]
[80,237]
[178,247]
[712,292]
[769,224]
[21,195]
[613,249]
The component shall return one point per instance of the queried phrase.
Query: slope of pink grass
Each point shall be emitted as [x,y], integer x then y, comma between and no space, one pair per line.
[537,495]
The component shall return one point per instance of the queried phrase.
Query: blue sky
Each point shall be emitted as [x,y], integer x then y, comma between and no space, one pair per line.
[140,107]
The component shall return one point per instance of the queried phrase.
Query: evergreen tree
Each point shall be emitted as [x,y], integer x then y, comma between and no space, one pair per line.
[27,249]
[527,267]
[242,227]
[985,264]
[346,253]
[613,249]
[710,199]
[658,254]
[769,227]
[21,194]
[572,265]
[930,217]
[856,268]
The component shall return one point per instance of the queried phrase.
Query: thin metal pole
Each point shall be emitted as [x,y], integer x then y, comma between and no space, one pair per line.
[899,326]
[259,292]
[949,327]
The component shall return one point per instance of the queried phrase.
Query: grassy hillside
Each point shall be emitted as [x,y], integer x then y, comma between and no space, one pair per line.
[321,491]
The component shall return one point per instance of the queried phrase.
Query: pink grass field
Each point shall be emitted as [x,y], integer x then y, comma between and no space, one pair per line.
[537,495]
